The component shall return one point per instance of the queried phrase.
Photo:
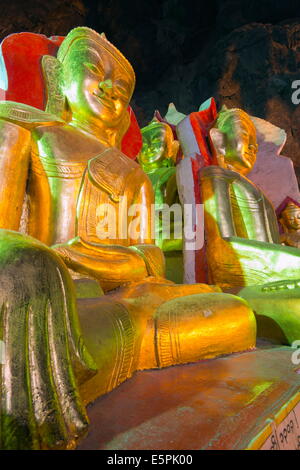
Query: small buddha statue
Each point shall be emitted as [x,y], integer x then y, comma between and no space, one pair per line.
[61,354]
[159,148]
[289,218]
[243,242]
[158,159]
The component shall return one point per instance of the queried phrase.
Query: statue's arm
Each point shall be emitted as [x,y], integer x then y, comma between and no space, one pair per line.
[215,190]
[14,163]
[235,207]
[16,122]
[141,229]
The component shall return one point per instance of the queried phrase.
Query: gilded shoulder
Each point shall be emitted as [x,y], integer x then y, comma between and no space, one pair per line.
[25,116]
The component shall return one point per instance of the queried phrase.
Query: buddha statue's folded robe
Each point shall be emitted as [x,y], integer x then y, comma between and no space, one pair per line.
[168,230]
[114,234]
[243,246]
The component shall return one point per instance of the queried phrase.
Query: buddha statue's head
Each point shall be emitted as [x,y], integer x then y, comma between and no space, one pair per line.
[290,217]
[159,147]
[96,80]
[234,140]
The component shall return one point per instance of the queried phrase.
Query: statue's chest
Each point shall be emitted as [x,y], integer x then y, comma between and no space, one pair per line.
[59,158]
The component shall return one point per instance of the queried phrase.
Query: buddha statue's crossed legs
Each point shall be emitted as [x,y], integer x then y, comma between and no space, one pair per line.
[55,363]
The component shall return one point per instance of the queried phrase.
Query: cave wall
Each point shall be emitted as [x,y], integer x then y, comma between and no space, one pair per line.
[245,53]
[55,17]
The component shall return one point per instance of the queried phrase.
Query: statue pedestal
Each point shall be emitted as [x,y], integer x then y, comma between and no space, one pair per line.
[244,401]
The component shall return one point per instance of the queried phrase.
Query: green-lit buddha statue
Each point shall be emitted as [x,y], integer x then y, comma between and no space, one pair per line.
[159,148]
[158,158]
[61,355]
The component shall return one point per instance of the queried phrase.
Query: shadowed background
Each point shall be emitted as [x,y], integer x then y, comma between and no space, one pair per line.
[245,53]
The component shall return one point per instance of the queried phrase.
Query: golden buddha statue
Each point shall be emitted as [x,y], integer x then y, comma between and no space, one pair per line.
[89,87]
[243,242]
[78,182]
[290,221]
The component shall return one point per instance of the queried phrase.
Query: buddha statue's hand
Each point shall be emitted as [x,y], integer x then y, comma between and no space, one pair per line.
[44,351]
[290,239]
[153,257]
[111,265]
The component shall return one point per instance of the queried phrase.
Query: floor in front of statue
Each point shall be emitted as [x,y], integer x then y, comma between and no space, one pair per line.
[224,403]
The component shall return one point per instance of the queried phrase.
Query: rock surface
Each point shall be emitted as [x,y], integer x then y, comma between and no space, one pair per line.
[273,173]
[55,17]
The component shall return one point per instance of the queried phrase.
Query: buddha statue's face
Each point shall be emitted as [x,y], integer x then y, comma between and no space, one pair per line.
[290,218]
[235,143]
[96,85]
[159,147]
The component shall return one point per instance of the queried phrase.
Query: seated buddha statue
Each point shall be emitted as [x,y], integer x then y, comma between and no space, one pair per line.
[62,354]
[158,160]
[243,241]
[289,218]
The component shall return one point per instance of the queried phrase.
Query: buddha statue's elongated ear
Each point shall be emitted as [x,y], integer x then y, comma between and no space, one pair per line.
[52,72]
[218,140]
